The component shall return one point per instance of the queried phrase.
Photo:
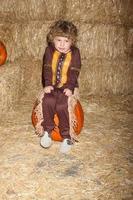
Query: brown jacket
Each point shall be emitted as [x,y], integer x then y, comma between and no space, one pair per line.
[70,68]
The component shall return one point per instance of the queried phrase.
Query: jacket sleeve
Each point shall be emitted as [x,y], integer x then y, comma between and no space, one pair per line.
[47,68]
[74,70]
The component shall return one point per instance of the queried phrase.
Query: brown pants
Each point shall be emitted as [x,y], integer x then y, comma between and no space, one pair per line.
[56,102]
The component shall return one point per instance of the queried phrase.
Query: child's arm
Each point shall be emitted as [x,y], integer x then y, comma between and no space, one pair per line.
[48,89]
[67,92]
[47,69]
[74,70]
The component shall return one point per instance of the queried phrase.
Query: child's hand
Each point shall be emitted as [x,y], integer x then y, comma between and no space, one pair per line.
[67,92]
[48,89]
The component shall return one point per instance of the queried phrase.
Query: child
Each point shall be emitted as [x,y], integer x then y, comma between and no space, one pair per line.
[61,67]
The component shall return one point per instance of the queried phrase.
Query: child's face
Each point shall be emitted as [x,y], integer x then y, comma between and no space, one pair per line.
[62,44]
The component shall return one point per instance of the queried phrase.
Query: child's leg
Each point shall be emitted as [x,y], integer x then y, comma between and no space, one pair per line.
[62,112]
[48,109]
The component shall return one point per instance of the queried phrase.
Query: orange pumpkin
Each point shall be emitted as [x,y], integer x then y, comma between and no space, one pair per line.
[79,114]
[3,53]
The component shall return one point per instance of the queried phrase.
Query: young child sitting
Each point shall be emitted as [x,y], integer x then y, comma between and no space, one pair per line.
[61,68]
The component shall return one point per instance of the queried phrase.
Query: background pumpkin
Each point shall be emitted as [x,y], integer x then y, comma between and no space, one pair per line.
[78,111]
[3,53]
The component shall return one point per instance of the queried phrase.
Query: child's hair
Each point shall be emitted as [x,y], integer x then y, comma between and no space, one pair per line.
[62,28]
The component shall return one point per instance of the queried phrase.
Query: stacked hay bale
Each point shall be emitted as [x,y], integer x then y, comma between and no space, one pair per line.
[23,28]
[105,40]
[106,43]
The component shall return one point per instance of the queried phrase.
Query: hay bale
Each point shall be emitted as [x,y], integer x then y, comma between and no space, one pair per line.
[105,77]
[22,39]
[107,59]
[11,35]
[100,11]
[30,77]
[130,44]
[106,50]
[9,86]
[31,9]
[102,41]
[125,11]
[21,79]
[34,38]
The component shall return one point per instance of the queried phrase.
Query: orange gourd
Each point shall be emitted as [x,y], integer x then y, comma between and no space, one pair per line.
[79,114]
[3,53]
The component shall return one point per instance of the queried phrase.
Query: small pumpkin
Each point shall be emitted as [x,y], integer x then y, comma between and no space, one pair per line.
[79,114]
[3,53]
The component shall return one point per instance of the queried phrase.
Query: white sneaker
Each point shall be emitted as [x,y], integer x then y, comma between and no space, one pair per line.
[46,140]
[66,146]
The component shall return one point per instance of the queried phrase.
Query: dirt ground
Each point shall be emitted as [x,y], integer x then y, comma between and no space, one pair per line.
[98,167]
